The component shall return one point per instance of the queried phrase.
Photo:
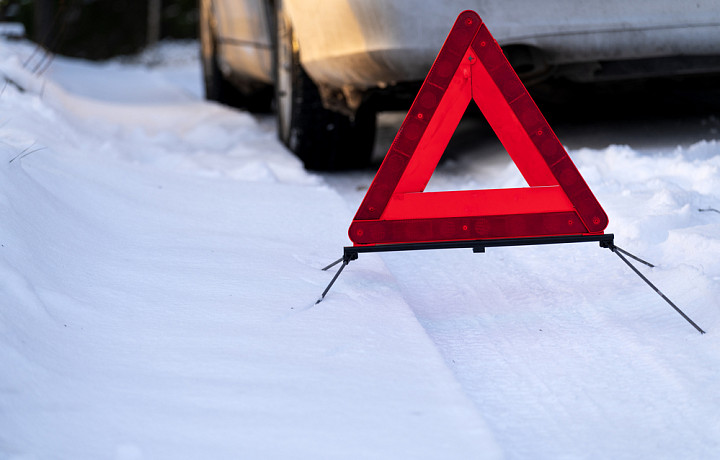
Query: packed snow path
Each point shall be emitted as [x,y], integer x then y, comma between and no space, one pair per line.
[160,259]
[565,352]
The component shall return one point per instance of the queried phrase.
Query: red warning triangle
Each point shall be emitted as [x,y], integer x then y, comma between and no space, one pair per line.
[396,209]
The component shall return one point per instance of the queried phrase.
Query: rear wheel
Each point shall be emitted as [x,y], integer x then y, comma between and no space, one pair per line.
[323,139]
[217,86]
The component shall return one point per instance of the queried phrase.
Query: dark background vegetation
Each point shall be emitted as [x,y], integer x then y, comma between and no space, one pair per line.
[100,29]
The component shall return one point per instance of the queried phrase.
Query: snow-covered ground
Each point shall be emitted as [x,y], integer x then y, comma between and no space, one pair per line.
[159,264]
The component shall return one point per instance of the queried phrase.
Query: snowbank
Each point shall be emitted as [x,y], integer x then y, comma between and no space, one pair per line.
[160,261]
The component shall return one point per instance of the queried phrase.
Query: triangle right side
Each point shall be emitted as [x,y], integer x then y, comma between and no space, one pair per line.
[529,140]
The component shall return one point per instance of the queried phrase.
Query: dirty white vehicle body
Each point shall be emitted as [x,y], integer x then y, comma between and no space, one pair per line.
[334,63]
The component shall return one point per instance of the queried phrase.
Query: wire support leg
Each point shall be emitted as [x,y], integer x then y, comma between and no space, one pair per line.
[333,264]
[618,251]
[616,248]
[345,262]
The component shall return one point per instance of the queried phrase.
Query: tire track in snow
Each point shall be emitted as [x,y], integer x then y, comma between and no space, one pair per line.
[560,349]
[555,364]
[564,351]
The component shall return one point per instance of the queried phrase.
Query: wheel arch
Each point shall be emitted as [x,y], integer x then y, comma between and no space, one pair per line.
[345,99]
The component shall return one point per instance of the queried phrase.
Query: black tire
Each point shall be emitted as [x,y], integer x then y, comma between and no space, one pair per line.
[323,139]
[217,86]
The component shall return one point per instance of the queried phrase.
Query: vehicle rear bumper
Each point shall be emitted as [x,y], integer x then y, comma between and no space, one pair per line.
[370,43]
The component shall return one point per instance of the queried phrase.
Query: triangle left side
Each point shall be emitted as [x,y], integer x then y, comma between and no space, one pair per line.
[422,112]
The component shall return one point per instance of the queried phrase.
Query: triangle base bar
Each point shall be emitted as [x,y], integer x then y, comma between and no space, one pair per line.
[480,245]
[351,253]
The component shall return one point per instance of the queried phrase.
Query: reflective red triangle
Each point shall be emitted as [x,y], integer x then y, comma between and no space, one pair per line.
[471,66]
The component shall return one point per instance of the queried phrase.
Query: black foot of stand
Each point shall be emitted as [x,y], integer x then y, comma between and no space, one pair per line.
[478,246]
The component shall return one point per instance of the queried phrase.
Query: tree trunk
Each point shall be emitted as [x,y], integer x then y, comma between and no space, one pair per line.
[44,18]
[153,30]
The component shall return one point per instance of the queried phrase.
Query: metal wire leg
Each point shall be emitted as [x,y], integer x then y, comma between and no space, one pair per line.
[345,262]
[618,251]
[333,264]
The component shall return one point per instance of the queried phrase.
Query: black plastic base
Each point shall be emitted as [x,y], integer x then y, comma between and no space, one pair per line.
[605,240]
[351,253]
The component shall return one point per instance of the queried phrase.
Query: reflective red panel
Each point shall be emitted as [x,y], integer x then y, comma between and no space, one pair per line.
[466,228]
[487,77]
[383,185]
